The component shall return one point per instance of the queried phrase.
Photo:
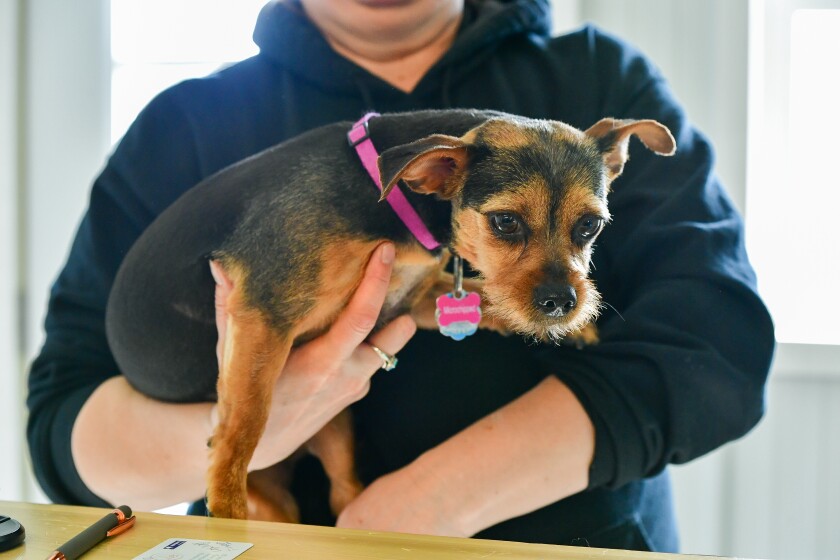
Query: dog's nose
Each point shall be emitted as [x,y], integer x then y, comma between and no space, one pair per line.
[555,300]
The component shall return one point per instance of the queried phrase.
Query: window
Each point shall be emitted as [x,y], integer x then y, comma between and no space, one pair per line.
[156,43]
[793,188]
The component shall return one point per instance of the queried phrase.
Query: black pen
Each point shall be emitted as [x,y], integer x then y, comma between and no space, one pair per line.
[112,524]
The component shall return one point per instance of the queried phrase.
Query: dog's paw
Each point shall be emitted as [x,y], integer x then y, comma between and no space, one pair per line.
[235,508]
[269,497]
[586,336]
[342,493]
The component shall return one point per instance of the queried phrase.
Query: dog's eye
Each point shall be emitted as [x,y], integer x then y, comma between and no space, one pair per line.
[506,223]
[587,228]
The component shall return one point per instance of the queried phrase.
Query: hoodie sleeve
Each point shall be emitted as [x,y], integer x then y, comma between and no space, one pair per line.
[153,164]
[686,342]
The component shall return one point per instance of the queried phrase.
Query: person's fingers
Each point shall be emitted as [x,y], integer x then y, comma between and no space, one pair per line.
[354,324]
[224,286]
[221,326]
[391,339]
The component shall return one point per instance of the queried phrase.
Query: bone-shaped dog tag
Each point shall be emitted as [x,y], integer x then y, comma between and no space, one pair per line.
[458,313]
[457,317]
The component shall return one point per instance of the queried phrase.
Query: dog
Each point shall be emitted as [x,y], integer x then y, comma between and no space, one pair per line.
[292,228]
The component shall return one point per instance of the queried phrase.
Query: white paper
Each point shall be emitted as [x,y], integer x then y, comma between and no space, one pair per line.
[191,549]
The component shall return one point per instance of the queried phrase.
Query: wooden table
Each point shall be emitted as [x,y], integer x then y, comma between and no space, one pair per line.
[48,526]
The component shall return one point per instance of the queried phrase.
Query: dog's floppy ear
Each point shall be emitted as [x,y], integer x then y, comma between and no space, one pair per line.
[613,137]
[431,165]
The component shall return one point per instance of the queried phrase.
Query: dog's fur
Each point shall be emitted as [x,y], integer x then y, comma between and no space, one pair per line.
[291,229]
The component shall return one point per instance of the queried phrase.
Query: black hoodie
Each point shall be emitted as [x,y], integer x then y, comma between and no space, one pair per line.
[686,342]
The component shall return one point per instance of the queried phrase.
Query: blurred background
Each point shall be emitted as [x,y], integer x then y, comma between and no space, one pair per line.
[760,77]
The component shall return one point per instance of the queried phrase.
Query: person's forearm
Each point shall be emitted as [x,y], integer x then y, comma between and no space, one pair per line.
[131,449]
[530,453]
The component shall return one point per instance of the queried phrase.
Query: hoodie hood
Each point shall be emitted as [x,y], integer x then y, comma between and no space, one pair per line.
[287,37]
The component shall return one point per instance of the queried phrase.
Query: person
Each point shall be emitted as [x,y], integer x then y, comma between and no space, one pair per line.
[492,437]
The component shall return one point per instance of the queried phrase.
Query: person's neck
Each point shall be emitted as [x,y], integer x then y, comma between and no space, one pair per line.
[399,58]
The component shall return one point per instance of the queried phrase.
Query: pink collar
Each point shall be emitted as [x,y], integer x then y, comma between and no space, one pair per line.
[359,138]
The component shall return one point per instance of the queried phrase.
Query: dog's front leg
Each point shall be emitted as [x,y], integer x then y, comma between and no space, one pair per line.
[254,356]
[586,336]
[269,497]
[334,445]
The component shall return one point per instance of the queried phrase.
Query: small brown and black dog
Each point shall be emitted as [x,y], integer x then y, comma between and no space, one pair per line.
[292,228]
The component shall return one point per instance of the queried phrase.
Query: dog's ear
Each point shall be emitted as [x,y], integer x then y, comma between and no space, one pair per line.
[613,137]
[432,165]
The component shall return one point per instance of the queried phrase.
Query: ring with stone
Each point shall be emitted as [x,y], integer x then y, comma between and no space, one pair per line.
[389,362]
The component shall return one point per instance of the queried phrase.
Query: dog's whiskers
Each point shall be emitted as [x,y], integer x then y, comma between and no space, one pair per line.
[607,304]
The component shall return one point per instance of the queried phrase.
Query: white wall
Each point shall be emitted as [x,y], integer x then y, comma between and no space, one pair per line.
[785,488]
[701,48]
[11,374]
[54,103]
[67,134]
[65,141]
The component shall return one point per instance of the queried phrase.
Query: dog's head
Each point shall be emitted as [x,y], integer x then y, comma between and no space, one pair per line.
[528,197]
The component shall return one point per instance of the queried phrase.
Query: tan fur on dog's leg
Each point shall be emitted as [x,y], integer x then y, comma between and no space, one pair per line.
[269,498]
[586,336]
[254,358]
[334,446]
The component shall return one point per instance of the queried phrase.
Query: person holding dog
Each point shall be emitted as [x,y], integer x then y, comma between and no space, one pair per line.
[492,436]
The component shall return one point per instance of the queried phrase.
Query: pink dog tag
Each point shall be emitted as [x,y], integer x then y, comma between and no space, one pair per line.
[458,317]
[458,312]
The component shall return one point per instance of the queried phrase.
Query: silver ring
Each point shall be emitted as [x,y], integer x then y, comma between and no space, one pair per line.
[389,362]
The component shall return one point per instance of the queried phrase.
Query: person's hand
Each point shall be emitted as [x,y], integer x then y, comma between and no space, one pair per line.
[328,373]
[405,501]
